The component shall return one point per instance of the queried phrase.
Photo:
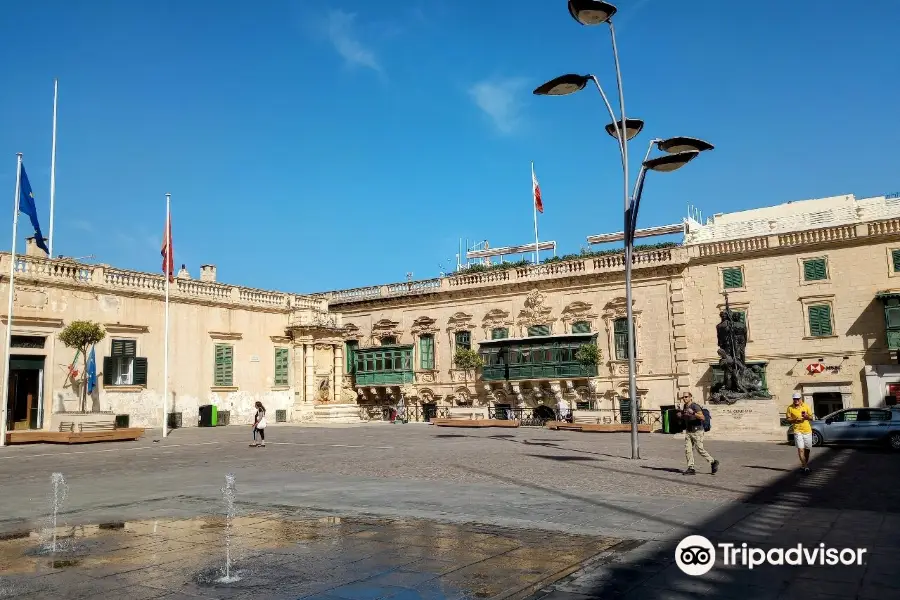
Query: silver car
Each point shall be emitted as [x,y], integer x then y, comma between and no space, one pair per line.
[859,426]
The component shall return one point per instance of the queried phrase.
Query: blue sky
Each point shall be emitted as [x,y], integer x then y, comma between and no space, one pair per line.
[314,145]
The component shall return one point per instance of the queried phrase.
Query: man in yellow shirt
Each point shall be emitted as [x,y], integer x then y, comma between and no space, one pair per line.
[800,415]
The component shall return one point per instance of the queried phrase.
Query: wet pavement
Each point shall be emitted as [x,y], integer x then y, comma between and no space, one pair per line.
[290,555]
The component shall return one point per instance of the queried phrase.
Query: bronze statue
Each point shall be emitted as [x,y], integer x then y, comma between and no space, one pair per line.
[739,381]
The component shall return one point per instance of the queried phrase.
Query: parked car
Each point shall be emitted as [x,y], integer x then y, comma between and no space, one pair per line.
[859,426]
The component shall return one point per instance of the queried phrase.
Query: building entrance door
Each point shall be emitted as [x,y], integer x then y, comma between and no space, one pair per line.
[24,409]
[825,403]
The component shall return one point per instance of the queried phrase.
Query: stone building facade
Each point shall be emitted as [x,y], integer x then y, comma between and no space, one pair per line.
[814,281]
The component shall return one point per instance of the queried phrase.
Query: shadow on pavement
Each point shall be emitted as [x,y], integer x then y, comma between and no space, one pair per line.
[850,500]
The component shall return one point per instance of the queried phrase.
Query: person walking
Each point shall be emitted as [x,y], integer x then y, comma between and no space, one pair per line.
[800,415]
[259,426]
[693,417]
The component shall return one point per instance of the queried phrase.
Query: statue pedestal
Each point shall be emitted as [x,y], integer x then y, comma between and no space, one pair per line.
[757,366]
[747,420]
[336,413]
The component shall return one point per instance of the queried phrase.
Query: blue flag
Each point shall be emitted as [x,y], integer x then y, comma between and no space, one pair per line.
[26,206]
[91,372]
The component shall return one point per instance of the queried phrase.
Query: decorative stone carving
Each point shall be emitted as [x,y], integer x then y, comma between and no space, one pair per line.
[324,346]
[488,392]
[579,311]
[494,319]
[462,375]
[500,396]
[31,297]
[385,328]
[348,395]
[520,396]
[324,393]
[425,377]
[556,390]
[462,396]
[351,332]
[460,322]
[619,368]
[408,391]
[425,395]
[534,312]
[424,326]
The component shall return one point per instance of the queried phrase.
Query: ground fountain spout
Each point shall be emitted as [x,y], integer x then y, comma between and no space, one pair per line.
[228,496]
[60,491]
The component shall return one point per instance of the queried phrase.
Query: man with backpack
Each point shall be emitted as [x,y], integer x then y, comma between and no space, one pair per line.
[696,421]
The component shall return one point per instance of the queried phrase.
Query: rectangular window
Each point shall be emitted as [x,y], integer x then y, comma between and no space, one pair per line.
[123,366]
[388,340]
[895,260]
[282,363]
[581,327]
[499,333]
[224,366]
[463,340]
[733,277]
[620,338]
[538,330]
[742,316]
[350,355]
[815,269]
[819,320]
[426,352]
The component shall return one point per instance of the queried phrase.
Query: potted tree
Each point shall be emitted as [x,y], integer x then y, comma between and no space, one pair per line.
[82,335]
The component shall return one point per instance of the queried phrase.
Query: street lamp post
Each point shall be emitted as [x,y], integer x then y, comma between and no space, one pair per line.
[679,151]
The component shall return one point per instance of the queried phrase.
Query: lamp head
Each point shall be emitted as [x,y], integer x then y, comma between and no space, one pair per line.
[632,128]
[680,144]
[591,12]
[563,85]
[670,162]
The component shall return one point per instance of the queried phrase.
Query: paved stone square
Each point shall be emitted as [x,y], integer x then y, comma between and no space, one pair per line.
[580,518]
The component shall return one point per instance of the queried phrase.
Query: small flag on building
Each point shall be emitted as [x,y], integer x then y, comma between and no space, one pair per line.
[538,204]
[27,206]
[91,372]
[168,263]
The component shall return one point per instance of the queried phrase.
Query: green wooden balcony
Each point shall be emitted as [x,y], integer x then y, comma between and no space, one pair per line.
[384,365]
[540,357]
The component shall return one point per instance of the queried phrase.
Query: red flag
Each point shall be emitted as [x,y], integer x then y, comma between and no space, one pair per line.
[168,263]
[538,204]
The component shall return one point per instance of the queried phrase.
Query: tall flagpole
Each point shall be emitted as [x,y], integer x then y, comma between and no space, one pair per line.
[9,306]
[537,248]
[53,167]
[166,352]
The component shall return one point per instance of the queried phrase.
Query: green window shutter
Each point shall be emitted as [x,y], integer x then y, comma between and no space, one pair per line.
[581,327]
[820,320]
[733,278]
[140,370]
[388,340]
[538,330]
[281,366]
[742,316]
[426,352]
[350,351]
[815,269]
[464,340]
[499,333]
[895,259]
[224,368]
[124,348]
[109,370]
[620,338]
[892,317]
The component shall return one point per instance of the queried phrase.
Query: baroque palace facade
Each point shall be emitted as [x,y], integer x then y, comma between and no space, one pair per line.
[812,280]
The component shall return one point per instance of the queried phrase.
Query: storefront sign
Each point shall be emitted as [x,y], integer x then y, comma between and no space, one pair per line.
[817,368]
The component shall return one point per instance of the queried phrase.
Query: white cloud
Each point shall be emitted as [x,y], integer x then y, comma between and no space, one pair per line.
[499,100]
[340,27]
[82,225]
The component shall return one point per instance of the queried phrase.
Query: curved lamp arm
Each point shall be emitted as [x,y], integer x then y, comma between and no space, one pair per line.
[612,115]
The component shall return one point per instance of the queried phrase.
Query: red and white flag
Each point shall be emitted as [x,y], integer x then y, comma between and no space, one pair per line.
[536,188]
[168,263]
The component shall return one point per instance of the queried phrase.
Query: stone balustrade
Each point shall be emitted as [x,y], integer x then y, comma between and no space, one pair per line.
[114,280]
[568,268]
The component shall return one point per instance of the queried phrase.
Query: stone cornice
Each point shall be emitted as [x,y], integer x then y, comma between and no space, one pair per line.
[25,321]
[122,328]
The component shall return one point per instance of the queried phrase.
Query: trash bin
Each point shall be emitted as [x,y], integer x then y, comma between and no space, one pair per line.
[208,414]
[668,413]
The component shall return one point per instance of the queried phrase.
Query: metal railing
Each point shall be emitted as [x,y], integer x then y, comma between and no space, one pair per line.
[409,414]
[527,417]
[609,416]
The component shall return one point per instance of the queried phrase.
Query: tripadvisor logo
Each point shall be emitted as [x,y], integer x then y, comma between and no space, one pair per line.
[696,555]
